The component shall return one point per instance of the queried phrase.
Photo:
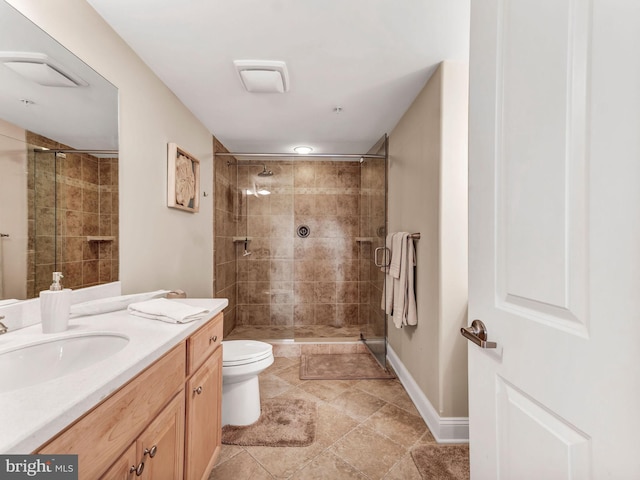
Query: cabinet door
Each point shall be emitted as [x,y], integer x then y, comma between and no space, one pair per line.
[124,468]
[204,401]
[161,445]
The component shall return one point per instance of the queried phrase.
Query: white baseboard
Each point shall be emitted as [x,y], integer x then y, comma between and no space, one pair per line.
[444,429]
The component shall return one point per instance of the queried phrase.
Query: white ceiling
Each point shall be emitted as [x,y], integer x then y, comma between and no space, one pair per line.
[370,57]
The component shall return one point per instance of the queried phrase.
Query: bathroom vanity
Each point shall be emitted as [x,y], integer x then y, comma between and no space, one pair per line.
[151,410]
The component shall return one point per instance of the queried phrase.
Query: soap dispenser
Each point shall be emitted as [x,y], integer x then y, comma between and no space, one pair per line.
[54,306]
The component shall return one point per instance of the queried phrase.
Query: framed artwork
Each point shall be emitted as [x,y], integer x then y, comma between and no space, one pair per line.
[183,179]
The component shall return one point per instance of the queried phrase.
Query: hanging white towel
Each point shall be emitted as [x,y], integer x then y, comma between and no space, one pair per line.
[389,244]
[167,311]
[394,247]
[398,243]
[387,294]
[399,299]
[404,297]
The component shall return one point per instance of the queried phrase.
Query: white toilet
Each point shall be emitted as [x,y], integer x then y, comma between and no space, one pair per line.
[242,362]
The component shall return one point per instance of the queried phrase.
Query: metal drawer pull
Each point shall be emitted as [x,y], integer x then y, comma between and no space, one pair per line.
[197,390]
[213,339]
[477,333]
[152,452]
[138,470]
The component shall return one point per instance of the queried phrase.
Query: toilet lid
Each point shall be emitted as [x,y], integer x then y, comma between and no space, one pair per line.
[238,352]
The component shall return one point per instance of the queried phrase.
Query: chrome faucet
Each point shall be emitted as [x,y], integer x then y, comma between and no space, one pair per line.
[3,327]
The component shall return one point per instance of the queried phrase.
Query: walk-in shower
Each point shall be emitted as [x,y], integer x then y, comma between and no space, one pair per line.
[311,234]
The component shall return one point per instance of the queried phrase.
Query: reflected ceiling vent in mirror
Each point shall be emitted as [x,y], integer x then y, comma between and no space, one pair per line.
[263,76]
[41,69]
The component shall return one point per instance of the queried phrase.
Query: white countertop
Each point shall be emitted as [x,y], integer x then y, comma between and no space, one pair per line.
[32,415]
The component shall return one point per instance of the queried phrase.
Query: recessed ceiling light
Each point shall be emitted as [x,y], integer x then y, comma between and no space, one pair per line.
[302,150]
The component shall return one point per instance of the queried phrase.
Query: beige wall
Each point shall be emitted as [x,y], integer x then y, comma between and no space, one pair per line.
[428,194]
[160,247]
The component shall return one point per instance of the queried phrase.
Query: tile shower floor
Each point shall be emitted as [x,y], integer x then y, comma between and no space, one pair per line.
[366,429]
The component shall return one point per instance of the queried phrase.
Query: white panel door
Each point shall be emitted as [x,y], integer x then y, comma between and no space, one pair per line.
[554,159]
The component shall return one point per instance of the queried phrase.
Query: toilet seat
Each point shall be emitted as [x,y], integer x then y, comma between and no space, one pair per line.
[244,352]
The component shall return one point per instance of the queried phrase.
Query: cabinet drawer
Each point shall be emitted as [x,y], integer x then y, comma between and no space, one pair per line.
[203,343]
[103,433]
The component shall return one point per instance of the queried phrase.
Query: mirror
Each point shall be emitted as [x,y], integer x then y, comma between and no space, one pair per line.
[58,164]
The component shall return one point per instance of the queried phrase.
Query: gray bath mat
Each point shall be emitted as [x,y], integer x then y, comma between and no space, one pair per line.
[348,366]
[282,423]
[442,462]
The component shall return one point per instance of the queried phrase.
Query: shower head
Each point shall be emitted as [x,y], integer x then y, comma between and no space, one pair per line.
[265,172]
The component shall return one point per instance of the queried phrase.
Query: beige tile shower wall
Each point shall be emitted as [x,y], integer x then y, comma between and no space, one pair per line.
[72,198]
[225,224]
[292,281]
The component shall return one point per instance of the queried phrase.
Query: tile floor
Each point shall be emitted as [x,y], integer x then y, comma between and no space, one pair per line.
[365,430]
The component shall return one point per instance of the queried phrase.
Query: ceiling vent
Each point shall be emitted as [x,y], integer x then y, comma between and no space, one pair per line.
[263,76]
[41,69]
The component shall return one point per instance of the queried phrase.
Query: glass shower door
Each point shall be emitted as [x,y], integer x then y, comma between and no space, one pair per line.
[373,228]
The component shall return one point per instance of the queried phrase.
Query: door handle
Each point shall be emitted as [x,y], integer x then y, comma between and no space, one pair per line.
[477,333]
[386,258]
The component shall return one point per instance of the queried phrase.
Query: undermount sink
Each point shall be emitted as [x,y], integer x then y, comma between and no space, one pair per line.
[50,359]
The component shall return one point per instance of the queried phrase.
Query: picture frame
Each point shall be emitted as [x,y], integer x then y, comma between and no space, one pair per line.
[183,179]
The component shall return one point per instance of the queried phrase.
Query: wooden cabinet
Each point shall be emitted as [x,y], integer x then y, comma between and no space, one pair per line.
[158,452]
[101,435]
[167,418]
[161,446]
[204,417]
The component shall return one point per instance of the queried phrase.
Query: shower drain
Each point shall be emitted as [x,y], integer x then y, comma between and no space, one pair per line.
[303,231]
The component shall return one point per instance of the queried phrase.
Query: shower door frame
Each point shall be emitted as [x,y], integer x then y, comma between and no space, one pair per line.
[376,343]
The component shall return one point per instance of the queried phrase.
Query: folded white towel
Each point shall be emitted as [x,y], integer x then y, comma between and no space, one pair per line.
[167,311]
